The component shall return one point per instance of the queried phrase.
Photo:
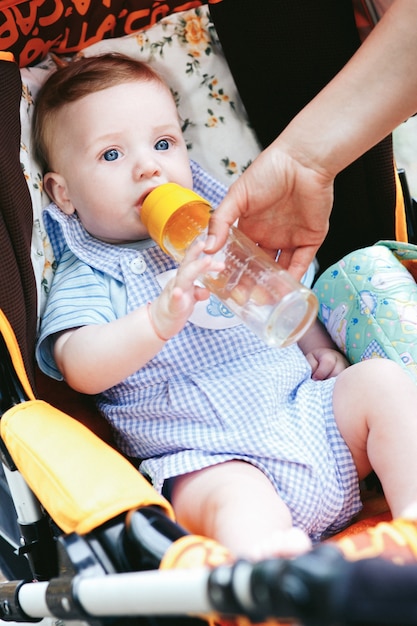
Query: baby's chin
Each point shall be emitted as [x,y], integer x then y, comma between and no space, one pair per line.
[122,240]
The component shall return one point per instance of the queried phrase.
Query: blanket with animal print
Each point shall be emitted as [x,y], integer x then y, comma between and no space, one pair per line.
[368,303]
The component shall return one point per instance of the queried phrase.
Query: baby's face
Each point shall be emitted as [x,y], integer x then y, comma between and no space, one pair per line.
[111,148]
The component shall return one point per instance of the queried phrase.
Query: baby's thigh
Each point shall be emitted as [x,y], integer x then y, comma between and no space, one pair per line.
[226,495]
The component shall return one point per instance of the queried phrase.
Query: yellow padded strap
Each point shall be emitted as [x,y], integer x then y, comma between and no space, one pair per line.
[81,481]
[15,354]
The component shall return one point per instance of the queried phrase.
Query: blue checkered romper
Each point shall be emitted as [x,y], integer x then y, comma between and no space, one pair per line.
[210,395]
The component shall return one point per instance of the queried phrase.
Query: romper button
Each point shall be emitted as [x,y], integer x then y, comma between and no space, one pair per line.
[138,265]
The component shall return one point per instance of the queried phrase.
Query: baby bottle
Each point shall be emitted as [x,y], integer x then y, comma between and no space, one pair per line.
[267,298]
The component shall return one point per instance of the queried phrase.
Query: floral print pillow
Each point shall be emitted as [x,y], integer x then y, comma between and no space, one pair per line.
[185,50]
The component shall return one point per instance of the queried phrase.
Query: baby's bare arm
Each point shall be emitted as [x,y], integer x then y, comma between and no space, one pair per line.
[96,357]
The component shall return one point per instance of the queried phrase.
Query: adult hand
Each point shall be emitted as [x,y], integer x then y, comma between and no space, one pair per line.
[283,200]
[281,204]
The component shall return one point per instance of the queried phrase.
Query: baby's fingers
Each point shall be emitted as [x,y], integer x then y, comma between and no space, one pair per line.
[194,251]
[195,265]
[326,363]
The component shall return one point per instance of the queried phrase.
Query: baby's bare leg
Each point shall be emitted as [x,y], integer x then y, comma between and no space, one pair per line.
[236,504]
[375,407]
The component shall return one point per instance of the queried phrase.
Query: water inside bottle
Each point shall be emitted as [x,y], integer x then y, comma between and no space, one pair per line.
[263,296]
[183,227]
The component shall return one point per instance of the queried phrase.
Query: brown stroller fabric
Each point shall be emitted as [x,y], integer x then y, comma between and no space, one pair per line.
[291,50]
[18,294]
[17,280]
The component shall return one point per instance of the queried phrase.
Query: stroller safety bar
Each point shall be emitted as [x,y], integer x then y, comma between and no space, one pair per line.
[319,588]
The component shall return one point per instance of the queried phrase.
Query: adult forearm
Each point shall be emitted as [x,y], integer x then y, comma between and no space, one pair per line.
[374,93]
[283,200]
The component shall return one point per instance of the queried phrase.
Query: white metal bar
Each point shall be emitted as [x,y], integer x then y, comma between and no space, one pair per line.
[32,599]
[26,504]
[156,592]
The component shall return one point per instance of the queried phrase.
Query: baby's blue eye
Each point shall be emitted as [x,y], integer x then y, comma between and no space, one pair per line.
[162,144]
[111,155]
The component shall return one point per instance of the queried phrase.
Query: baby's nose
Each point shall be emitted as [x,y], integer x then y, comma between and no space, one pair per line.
[146,168]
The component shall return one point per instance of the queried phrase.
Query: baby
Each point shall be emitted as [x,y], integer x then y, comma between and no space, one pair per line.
[259,448]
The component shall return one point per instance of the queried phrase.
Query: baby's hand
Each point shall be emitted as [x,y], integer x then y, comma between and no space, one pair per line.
[326,363]
[172,308]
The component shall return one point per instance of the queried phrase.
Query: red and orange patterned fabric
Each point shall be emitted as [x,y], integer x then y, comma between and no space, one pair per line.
[31,28]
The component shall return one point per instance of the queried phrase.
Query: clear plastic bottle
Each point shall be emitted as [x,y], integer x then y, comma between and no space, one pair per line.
[267,298]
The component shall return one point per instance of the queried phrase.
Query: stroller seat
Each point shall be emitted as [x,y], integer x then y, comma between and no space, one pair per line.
[230,82]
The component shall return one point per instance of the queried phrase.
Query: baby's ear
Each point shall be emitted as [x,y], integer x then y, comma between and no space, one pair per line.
[55,186]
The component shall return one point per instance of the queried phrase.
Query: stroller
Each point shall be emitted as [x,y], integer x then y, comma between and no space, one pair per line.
[83,536]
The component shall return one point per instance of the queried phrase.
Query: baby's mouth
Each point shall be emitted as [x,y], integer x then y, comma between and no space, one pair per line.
[143,197]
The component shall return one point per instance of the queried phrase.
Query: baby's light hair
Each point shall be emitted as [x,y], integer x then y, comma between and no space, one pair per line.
[75,80]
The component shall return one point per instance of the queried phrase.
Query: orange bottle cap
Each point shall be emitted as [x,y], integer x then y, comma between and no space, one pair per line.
[162,203]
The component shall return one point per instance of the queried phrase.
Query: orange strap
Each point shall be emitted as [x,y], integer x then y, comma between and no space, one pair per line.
[6,56]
